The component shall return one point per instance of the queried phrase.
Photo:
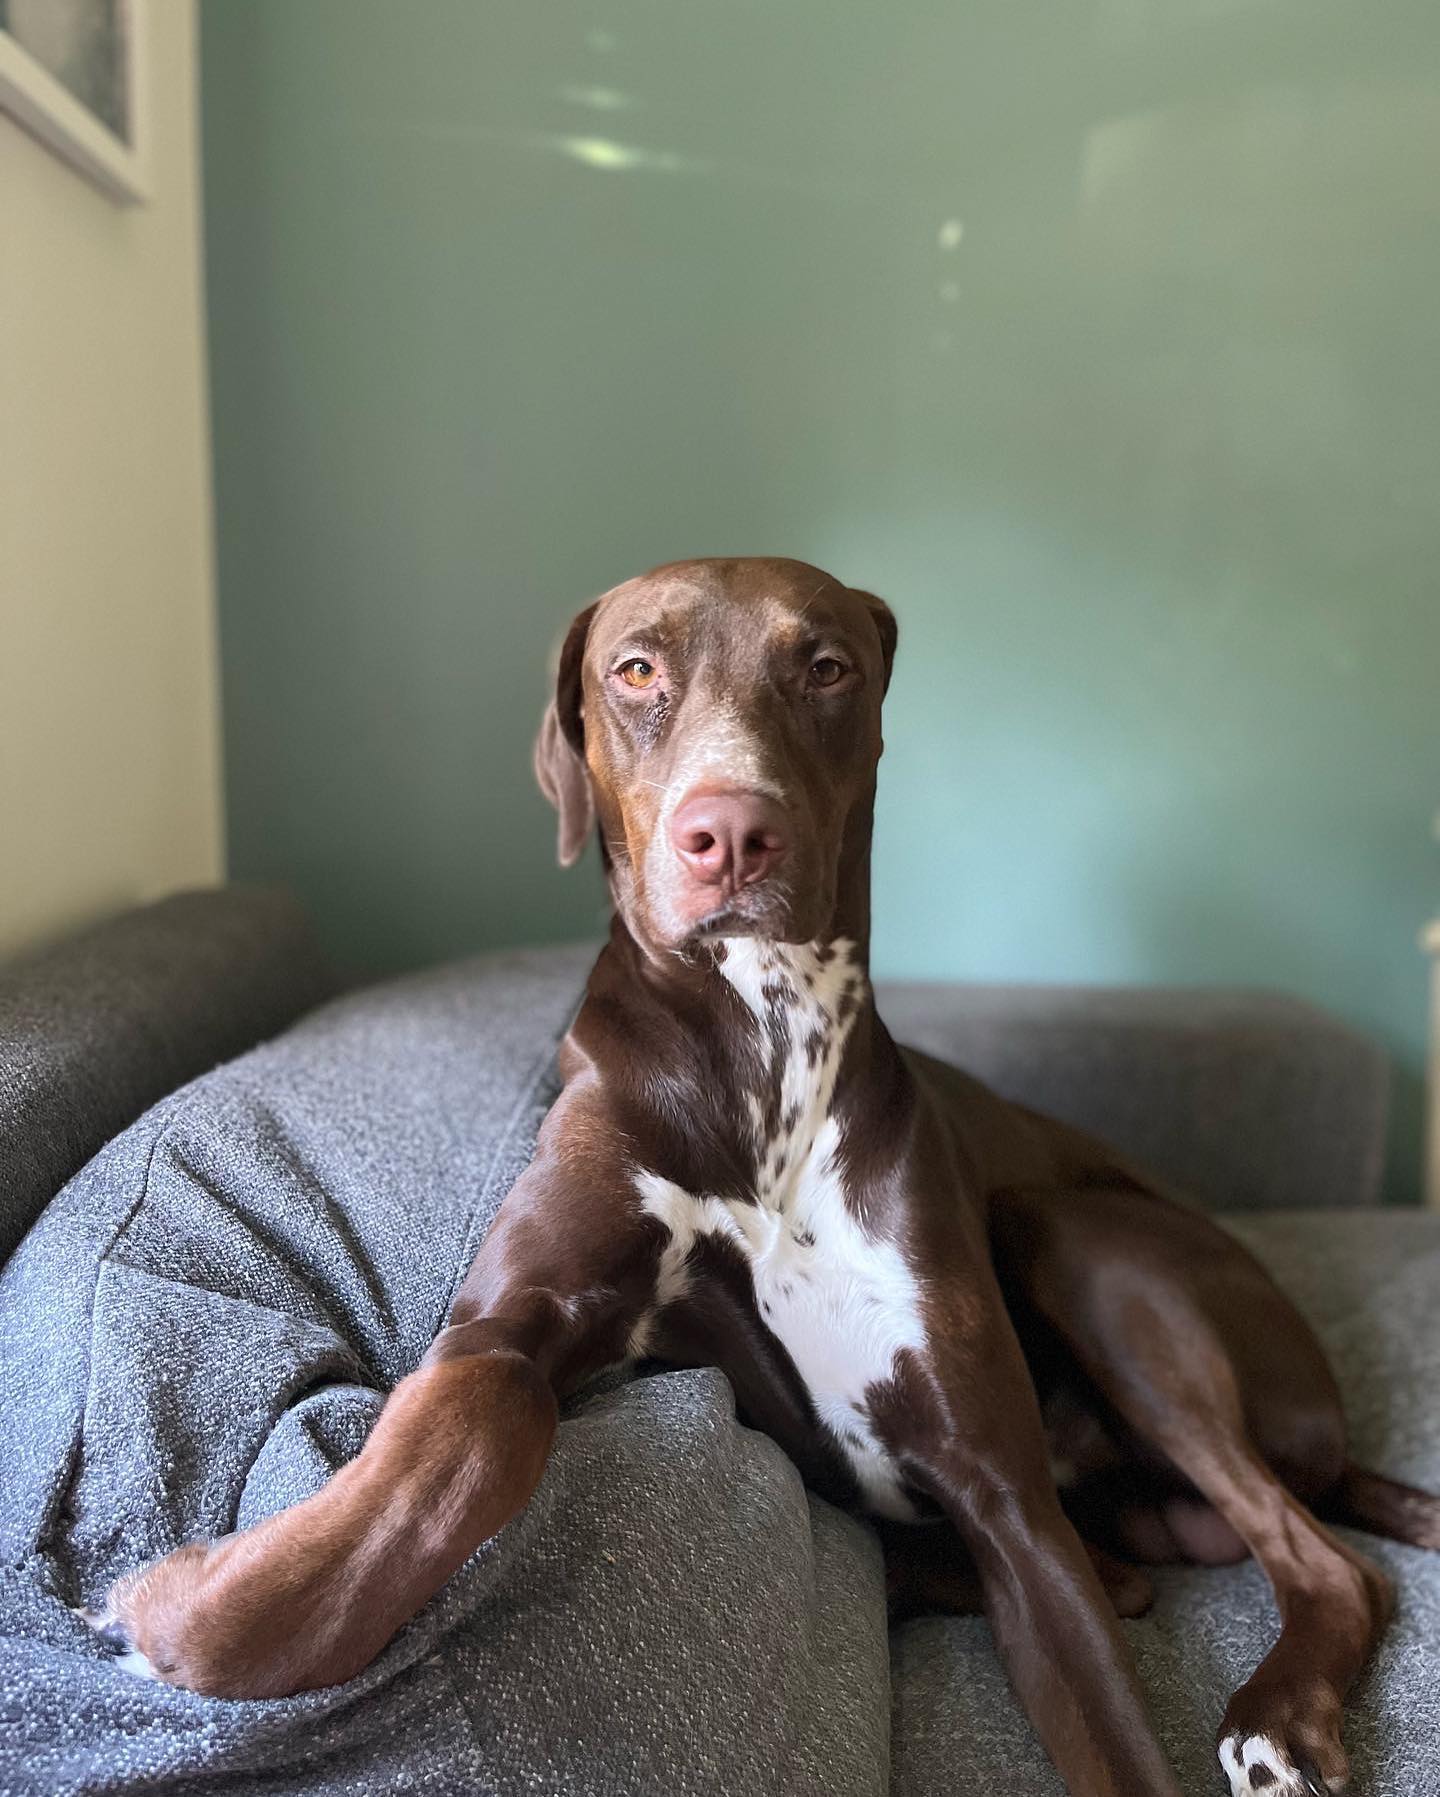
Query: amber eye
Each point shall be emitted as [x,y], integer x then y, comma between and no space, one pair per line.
[638,672]
[826,671]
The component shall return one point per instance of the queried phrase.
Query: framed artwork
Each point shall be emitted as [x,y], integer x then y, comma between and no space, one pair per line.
[71,73]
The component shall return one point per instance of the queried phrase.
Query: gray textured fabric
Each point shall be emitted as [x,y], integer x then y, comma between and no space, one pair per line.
[1248,1100]
[1369,1281]
[202,1325]
[97,1028]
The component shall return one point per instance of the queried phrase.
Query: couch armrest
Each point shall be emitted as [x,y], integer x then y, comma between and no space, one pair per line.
[1244,1100]
[96,1029]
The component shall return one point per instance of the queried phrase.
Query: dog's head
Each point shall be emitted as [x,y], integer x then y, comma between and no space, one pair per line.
[721,719]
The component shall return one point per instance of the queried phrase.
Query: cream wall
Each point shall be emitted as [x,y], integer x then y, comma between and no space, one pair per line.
[109,764]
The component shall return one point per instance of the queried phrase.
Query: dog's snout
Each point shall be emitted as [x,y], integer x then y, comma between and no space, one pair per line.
[729,839]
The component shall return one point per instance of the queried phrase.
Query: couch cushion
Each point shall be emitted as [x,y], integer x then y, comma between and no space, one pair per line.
[1369,1282]
[102,1025]
[204,1324]
[1244,1100]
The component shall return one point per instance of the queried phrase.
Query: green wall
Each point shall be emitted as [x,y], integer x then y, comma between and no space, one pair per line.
[1102,336]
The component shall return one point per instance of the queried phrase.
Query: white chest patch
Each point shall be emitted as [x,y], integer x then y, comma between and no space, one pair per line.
[842,1302]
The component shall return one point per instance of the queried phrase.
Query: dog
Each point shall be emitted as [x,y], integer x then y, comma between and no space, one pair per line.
[944,1307]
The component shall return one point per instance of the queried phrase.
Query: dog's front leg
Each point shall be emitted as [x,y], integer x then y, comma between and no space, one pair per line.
[309,1597]
[981,1453]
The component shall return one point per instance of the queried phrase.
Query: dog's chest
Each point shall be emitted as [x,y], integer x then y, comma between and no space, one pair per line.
[841,1301]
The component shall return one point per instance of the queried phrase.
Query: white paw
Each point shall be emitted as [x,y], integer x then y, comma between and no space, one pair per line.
[1255,1763]
[138,1665]
[127,1658]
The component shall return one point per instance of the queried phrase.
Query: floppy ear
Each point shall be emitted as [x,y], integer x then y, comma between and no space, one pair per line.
[560,747]
[885,624]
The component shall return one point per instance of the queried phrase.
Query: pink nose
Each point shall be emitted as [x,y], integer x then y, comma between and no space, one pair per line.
[729,839]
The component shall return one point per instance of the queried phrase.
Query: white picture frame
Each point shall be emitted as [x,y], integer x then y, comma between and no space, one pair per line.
[49,111]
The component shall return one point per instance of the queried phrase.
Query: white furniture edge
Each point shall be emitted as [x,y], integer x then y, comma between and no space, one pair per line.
[32,95]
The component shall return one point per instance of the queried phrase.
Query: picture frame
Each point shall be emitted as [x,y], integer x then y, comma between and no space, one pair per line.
[113,154]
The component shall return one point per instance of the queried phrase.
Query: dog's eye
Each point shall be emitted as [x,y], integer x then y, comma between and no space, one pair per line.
[826,671]
[638,672]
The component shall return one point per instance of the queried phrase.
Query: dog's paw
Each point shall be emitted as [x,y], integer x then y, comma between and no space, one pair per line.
[1256,1763]
[112,1635]
[264,1614]
[168,1621]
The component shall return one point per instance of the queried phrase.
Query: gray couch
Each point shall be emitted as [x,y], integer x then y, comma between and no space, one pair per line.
[218,1270]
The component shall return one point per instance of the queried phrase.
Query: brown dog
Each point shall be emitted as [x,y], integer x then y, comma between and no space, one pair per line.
[938,1303]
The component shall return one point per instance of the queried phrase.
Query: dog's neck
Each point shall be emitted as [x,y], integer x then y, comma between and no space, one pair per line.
[751,1061]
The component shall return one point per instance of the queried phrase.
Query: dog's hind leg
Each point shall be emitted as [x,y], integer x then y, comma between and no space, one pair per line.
[1209,1366]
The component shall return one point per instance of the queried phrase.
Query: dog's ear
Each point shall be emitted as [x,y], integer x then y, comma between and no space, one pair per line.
[885,624]
[560,747]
